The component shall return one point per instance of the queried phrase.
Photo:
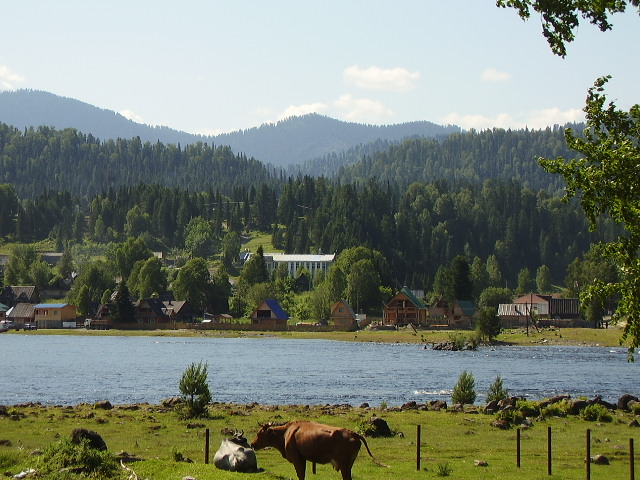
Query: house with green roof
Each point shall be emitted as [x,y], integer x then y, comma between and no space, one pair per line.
[457,314]
[404,309]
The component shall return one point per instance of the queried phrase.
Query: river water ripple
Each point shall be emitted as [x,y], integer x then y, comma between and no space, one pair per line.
[66,370]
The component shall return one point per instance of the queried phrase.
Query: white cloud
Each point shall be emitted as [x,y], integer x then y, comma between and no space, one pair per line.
[299,110]
[376,78]
[536,119]
[362,109]
[493,75]
[131,115]
[555,116]
[9,79]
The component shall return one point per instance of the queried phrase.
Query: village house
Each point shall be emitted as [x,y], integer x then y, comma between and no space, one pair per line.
[179,311]
[12,295]
[54,315]
[151,311]
[296,262]
[21,314]
[404,309]
[59,288]
[343,316]
[544,310]
[459,314]
[269,314]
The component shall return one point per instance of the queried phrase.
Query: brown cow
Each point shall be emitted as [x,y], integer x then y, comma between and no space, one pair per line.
[302,441]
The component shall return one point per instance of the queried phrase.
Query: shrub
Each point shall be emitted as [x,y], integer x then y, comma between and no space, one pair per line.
[373,428]
[497,391]
[464,391]
[457,339]
[195,391]
[635,408]
[528,408]
[444,470]
[62,458]
[596,413]
[511,415]
[558,409]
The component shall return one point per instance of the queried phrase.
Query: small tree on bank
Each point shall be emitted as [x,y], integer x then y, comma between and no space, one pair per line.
[488,324]
[464,392]
[195,391]
[497,391]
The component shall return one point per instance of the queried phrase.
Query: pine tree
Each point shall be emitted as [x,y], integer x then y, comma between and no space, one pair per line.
[195,390]
[123,310]
[464,391]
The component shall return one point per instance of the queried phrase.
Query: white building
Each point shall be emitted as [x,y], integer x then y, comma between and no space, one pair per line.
[295,262]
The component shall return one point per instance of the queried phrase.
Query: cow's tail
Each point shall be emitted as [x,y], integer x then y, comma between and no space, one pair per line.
[375,460]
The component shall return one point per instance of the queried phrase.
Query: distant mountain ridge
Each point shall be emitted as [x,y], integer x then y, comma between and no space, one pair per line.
[288,142]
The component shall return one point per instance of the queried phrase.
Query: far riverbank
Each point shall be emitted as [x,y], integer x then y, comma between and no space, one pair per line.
[592,337]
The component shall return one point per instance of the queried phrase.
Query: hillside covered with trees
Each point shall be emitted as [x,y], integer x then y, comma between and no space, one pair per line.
[41,159]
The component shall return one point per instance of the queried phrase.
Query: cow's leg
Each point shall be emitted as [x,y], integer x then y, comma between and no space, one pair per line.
[301,466]
[346,468]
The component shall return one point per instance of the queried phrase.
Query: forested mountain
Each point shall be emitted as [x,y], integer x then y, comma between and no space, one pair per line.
[468,157]
[286,142]
[44,158]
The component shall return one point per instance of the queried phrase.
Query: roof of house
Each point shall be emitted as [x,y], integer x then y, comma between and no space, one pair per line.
[156,305]
[177,306]
[532,298]
[24,292]
[277,310]
[3,307]
[415,300]
[21,310]
[343,302]
[467,307]
[288,257]
[50,305]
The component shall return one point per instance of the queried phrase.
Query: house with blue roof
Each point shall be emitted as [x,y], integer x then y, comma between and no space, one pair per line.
[269,314]
[54,315]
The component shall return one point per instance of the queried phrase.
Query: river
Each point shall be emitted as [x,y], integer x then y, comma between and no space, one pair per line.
[66,370]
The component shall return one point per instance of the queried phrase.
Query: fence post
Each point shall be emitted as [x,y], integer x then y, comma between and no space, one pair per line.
[418,447]
[518,447]
[206,446]
[632,463]
[549,451]
[588,459]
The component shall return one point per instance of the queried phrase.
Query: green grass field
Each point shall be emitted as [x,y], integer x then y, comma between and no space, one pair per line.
[450,442]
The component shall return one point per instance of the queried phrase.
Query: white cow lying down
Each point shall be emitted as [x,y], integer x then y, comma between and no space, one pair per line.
[235,455]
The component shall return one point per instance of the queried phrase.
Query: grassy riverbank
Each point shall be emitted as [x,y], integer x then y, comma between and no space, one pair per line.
[157,438]
[609,337]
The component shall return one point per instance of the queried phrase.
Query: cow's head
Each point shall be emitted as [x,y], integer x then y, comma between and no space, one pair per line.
[238,438]
[267,436]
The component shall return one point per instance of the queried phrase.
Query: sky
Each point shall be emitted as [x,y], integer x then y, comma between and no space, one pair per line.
[217,66]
